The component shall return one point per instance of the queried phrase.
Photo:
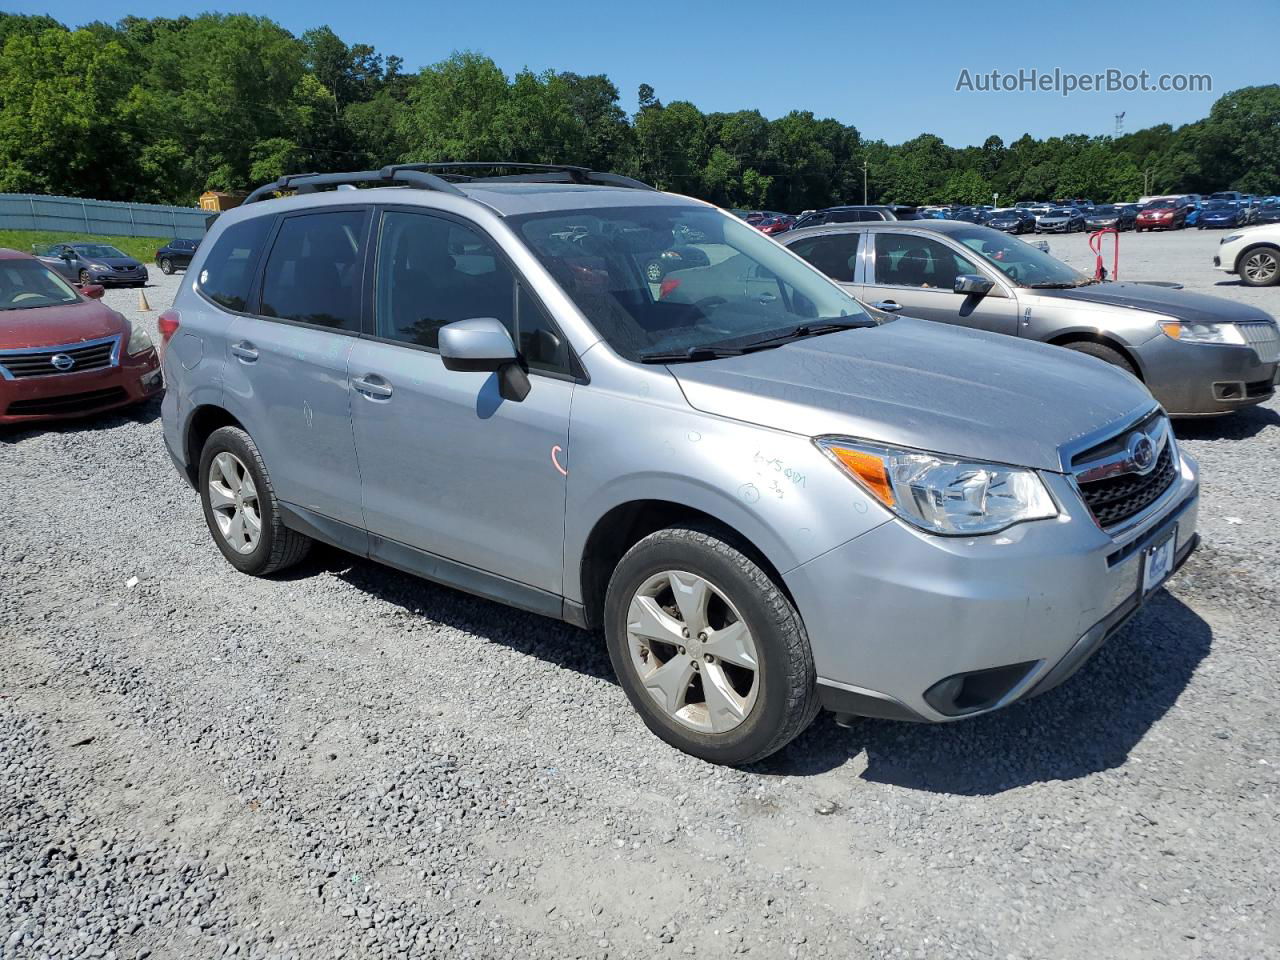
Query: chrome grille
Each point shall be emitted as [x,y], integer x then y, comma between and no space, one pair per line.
[1264,338]
[1120,498]
[39,362]
[1125,474]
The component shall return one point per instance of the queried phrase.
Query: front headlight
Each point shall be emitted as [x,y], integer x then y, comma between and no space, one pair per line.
[940,494]
[1202,332]
[1234,236]
[139,339]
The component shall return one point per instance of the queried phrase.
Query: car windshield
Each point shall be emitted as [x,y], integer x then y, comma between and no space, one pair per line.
[96,251]
[1022,263]
[1161,205]
[1060,212]
[1104,210]
[27,284]
[1219,205]
[670,279]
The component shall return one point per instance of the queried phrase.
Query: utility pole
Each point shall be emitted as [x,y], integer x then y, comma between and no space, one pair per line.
[864,183]
[1146,182]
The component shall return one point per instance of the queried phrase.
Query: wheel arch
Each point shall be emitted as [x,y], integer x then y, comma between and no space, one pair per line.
[203,421]
[626,524]
[1089,336]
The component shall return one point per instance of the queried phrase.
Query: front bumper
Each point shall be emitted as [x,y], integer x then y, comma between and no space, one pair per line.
[71,395]
[1064,227]
[896,614]
[1203,379]
[106,277]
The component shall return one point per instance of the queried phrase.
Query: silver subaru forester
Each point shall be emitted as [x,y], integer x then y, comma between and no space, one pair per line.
[626,409]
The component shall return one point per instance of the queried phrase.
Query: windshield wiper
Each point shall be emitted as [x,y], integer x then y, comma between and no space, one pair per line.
[810,330]
[1052,286]
[691,354]
[711,352]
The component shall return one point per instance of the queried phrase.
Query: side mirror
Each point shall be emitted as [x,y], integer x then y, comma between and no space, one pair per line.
[483,345]
[66,255]
[972,284]
[93,291]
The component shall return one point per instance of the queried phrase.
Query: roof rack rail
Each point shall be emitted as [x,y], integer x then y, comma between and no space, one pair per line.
[436,176]
[310,182]
[537,173]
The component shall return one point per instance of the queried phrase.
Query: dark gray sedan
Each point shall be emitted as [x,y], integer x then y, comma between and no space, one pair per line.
[93,263]
[1198,355]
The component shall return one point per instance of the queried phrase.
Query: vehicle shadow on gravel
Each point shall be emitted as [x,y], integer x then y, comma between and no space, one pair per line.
[1087,725]
[143,413]
[528,633]
[1240,425]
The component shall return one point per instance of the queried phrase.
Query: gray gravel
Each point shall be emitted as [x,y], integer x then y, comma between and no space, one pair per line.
[346,762]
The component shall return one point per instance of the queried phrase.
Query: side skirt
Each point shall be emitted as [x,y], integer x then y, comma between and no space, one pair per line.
[428,566]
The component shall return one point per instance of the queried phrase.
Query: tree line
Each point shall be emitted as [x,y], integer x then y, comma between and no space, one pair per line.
[161,109]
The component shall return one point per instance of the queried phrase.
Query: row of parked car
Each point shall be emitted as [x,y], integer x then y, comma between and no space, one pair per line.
[1221,210]
[761,471]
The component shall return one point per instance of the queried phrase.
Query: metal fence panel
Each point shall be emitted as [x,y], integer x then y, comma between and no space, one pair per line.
[27,211]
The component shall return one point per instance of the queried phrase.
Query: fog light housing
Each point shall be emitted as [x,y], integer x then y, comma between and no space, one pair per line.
[976,690]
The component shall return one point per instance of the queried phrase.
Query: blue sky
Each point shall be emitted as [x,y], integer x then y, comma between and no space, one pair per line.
[889,68]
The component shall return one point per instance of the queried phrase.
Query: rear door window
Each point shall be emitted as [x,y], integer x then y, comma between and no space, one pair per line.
[227,273]
[907,260]
[835,254]
[315,269]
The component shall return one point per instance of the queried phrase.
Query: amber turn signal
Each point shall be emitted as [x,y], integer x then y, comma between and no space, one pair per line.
[868,468]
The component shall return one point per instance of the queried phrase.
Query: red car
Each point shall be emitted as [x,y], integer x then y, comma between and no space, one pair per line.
[775,225]
[1161,215]
[63,354]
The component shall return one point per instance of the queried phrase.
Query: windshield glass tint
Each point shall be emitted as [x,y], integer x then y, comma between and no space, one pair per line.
[1019,261]
[1104,210]
[25,284]
[670,278]
[95,251]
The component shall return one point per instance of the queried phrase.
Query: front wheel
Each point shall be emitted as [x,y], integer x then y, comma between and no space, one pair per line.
[166,266]
[84,277]
[241,509]
[1260,267]
[709,650]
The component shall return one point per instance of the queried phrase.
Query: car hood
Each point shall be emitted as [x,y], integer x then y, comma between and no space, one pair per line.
[55,326]
[919,384]
[115,261]
[1178,304]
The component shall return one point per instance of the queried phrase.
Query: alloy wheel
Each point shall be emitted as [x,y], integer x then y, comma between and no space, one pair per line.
[1260,267]
[693,652]
[233,497]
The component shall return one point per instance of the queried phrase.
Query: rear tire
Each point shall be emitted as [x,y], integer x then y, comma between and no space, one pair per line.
[1103,352]
[272,546]
[768,704]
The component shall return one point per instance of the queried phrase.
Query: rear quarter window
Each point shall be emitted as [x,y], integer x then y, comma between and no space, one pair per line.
[227,272]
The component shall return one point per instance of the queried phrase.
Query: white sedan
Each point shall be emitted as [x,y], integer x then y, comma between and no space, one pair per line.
[1253,254]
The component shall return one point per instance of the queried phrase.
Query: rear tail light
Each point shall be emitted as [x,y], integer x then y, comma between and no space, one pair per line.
[168,324]
[669,286]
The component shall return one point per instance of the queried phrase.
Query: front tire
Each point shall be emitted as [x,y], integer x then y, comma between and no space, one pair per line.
[85,278]
[166,266]
[241,509]
[1259,267]
[1103,352]
[708,648]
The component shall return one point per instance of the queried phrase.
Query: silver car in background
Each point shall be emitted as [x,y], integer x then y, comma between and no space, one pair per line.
[767,500]
[1198,355]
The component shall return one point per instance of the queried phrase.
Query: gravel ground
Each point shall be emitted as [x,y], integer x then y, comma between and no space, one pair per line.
[347,762]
